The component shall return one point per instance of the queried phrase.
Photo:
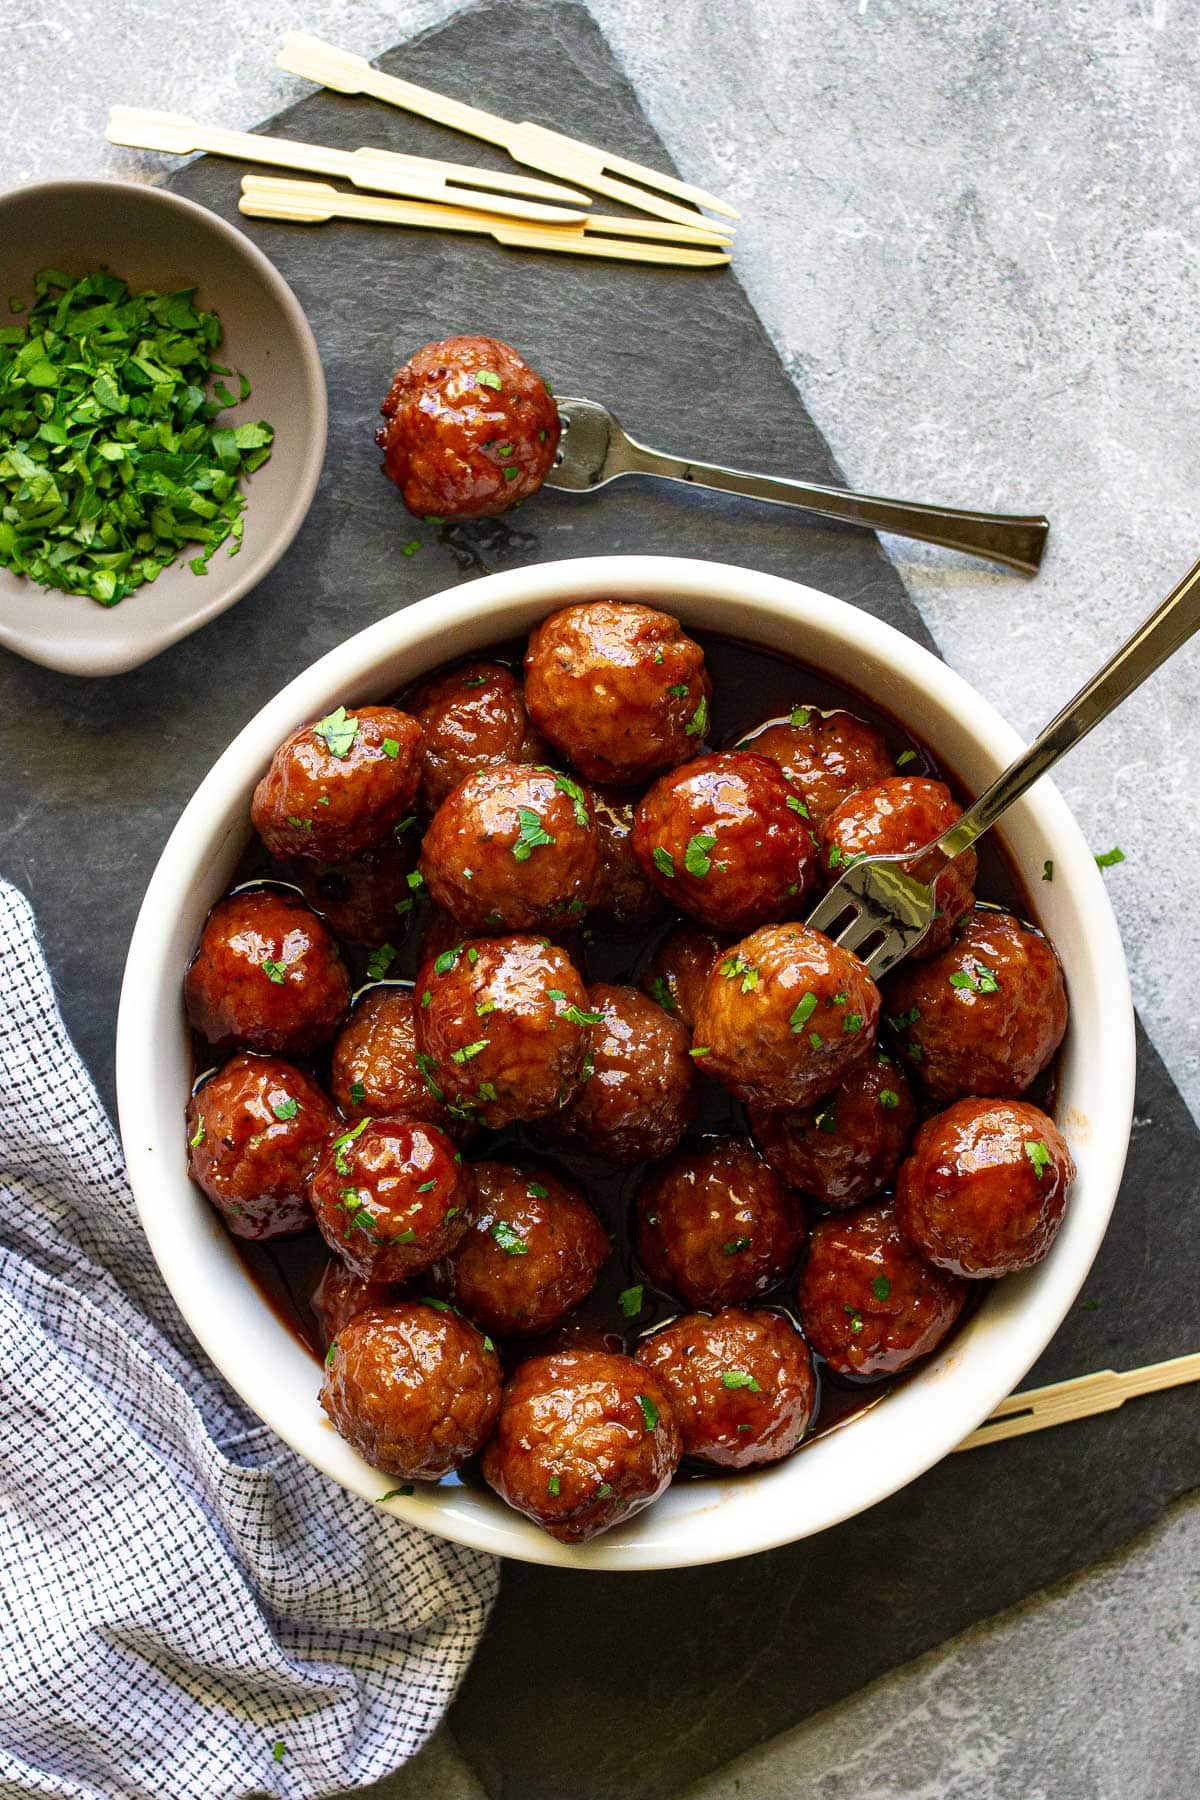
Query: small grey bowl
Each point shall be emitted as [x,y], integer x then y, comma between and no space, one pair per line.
[154,239]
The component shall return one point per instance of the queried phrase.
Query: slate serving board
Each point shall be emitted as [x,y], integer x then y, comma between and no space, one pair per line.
[590,1685]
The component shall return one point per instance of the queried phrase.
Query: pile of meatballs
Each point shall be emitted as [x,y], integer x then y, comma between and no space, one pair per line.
[880,1155]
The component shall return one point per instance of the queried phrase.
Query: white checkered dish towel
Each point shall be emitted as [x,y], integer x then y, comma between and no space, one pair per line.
[180,1595]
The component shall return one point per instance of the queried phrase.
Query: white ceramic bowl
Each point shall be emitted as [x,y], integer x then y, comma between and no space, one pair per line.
[879,1451]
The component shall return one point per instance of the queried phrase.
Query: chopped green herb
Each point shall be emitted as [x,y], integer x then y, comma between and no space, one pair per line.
[577,797]
[415,879]
[472,955]
[898,1021]
[504,449]
[658,657]
[905,757]
[852,1022]
[299,824]
[279,1749]
[445,962]
[488,378]
[341,1161]
[485,1092]
[380,961]
[467,1051]
[678,691]
[391,747]
[536,1191]
[697,725]
[330,1354]
[889,1099]
[510,1241]
[285,1109]
[510,474]
[274,971]
[604,1491]
[826,1120]
[699,1050]
[554,1487]
[434,519]
[738,1378]
[482,1008]
[1090,1305]
[1110,858]
[881,1287]
[661,992]
[427,1187]
[836,856]
[630,1300]
[1048,869]
[1038,1155]
[338,731]
[663,861]
[439,1305]
[800,716]
[733,1246]
[574,1016]
[400,1493]
[798,806]
[358,1093]
[816,1040]
[531,836]
[856,1318]
[197,1137]
[411,548]
[489,1346]
[696,859]
[649,1411]
[803,1011]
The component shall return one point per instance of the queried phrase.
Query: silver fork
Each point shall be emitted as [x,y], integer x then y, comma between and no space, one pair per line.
[595,449]
[888,903]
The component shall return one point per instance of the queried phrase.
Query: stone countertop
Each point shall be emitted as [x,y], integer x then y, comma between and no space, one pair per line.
[967,230]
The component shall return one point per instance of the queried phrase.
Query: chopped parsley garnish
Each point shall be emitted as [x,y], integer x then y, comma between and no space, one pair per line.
[733,1246]
[427,1187]
[415,879]
[285,1109]
[803,1011]
[338,731]
[881,1287]
[298,823]
[510,474]
[485,1092]
[898,1021]
[330,1354]
[274,971]
[1109,858]
[1038,1155]
[467,1051]
[341,1161]
[735,966]
[816,1040]
[649,1411]
[197,1137]
[856,1318]
[358,1092]
[554,1487]
[836,856]
[482,1007]
[696,859]
[531,836]
[697,725]
[111,463]
[391,747]
[889,1099]
[574,1016]
[380,961]
[510,1241]
[1048,869]
[699,1050]
[663,861]
[445,962]
[797,805]
[604,1491]
[536,1191]
[576,796]
[738,1378]
[661,992]
[826,1120]
[279,1749]
[438,1305]
[979,979]
[359,1215]
[905,757]
[852,1022]
[488,378]
[678,691]
[800,715]
[488,1345]
[630,1300]
[400,1493]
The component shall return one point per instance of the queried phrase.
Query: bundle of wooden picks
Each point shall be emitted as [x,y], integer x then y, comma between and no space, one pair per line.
[1080,1398]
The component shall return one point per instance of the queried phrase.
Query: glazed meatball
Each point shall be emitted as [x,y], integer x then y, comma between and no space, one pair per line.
[722,839]
[827,756]
[716,1226]
[340,1295]
[903,813]
[618,688]
[266,974]
[639,1092]
[585,1440]
[391,1197]
[254,1131]
[742,1384]
[471,430]
[621,895]
[374,1071]
[785,1016]
[986,1015]
[676,973]
[334,788]
[501,1028]
[985,1188]
[512,848]
[471,719]
[868,1303]
[842,1150]
[365,900]
[532,1252]
[413,1388]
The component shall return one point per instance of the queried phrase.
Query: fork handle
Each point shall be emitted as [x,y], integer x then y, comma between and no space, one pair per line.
[1005,538]
[1166,630]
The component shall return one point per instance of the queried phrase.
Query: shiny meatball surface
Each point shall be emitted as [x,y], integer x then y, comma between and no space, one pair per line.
[827,755]
[532,1251]
[869,1304]
[471,718]
[619,688]
[364,900]
[503,1033]
[391,1197]
[716,1226]
[585,1440]
[470,429]
[413,1389]
[903,813]
[340,1295]
[742,1384]
[680,966]
[335,787]
[721,838]
[986,1015]
[374,1070]
[621,895]
[785,1016]
[254,1131]
[266,974]
[985,1188]
[843,1149]
[639,1095]
[512,848]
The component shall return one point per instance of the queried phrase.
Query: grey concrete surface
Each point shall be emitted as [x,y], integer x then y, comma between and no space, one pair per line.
[970,228]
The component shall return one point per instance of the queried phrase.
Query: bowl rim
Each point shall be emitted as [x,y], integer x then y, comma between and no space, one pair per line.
[1023,1313]
[92,657]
